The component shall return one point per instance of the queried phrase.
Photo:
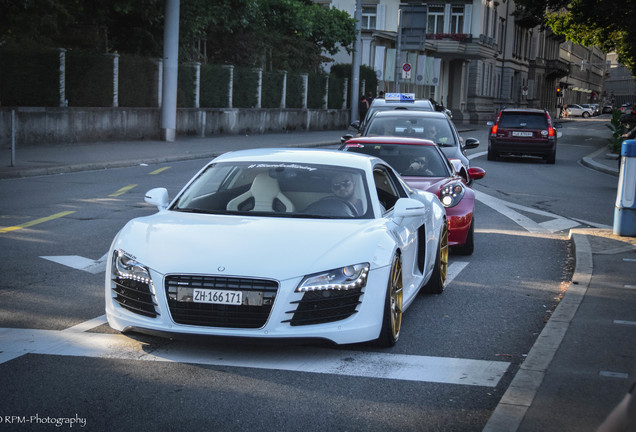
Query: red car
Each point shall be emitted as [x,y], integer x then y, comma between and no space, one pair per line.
[423,166]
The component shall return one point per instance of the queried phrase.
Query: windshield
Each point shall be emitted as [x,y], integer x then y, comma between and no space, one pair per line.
[407,160]
[278,189]
[435,129]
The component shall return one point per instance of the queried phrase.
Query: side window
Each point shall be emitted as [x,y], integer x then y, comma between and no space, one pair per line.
[387,187]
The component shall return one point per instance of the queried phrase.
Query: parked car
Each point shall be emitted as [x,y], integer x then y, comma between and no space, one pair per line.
[607,109]
[280,243]
[436,126]
[578,110]
[521,131]
[423,166]
[593,107]
[627,108]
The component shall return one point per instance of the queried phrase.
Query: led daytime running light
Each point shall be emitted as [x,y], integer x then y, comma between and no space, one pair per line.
[342,279]
[126,267]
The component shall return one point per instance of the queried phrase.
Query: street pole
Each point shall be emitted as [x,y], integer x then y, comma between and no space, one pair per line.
[357,57]
[170,71]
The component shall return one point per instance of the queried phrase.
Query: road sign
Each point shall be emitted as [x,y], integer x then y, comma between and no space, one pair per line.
[406,67]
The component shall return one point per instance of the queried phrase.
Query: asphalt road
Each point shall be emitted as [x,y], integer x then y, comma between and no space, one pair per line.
[471,339]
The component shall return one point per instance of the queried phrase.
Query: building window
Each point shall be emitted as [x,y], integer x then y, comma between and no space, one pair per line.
[435,18]
[369,17]
[457,19]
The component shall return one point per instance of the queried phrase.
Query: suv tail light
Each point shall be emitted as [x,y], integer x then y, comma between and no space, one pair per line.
[493,130]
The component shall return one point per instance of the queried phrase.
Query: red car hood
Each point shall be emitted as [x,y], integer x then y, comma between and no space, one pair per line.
[430,184]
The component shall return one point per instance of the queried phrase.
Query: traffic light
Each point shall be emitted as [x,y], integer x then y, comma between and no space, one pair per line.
[559,92]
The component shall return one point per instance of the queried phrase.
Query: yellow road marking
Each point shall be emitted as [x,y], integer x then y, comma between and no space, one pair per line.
[123,190]
[35,222]
[157,171]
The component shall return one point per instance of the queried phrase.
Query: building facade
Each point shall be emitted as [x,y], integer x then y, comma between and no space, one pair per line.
[476,58]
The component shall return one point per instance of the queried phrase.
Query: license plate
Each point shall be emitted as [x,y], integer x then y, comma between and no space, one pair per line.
[522,134]
[217,296]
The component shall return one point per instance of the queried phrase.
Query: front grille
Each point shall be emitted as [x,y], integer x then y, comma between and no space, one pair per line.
[317,307]
[219,315]
[135,296]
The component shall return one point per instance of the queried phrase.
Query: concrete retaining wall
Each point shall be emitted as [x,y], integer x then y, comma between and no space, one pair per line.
[70,125]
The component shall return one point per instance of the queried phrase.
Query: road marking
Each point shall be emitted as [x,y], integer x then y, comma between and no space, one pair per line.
[556,223]
[80,263]
[622,322]
[630,286]
[610,374]
[35,222]
[123,190]
[160,170]
[486,373]
[454,269]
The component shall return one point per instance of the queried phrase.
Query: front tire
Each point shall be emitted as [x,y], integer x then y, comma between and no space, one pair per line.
[392,319]
[437,281]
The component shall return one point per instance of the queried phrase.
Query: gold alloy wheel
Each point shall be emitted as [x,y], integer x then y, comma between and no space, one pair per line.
[443,259]
[396,296]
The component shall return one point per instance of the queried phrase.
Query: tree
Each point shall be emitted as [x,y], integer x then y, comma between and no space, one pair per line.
[274,34]
[608,24]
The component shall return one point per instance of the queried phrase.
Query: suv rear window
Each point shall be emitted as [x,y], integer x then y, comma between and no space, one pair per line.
[521,120]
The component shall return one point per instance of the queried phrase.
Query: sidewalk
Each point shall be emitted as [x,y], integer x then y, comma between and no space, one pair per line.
[57,159]
[582,363]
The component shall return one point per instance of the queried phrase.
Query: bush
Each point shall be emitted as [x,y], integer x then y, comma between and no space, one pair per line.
[618,129]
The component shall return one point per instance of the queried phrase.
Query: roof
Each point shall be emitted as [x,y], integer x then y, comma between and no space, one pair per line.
[308,156]
[390,140]
[410,113]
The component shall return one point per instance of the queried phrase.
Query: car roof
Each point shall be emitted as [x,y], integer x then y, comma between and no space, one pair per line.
[379,140]
[524,110]
[408,113]
[420,104]
[308,156]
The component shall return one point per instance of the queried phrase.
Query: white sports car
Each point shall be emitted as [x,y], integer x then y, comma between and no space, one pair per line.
[280,243]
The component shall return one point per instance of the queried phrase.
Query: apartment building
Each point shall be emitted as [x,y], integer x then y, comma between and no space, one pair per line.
[476,57]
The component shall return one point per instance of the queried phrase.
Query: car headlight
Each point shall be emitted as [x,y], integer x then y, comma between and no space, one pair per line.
[127,267]
[451,194]
[343,278]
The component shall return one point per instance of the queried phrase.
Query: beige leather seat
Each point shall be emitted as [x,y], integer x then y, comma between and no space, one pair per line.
[265,191]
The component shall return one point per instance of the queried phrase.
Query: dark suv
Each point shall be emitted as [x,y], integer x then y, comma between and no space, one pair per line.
[523,131]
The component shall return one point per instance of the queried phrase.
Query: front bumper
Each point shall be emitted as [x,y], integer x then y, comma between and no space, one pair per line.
[362,325]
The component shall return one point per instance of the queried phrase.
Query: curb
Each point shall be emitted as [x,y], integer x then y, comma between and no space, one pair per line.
[589,162]
[519,396]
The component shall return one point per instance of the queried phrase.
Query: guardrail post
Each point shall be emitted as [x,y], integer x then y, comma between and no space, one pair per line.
[230,85]
[115,80]
[305,78]
[259,87]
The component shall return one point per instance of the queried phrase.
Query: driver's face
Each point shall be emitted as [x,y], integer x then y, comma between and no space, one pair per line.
[342,186]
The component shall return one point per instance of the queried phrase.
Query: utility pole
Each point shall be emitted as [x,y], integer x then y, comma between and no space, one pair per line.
[357,59]
[170,71]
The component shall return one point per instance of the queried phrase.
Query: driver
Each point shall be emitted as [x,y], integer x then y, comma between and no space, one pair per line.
[343,186]
[420,166]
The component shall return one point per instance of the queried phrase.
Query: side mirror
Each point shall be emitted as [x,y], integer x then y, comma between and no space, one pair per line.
[471,143]
[490,123]
[345,137]
[475,173]
[408,207]
[355,125]
[157,197]
[557,125]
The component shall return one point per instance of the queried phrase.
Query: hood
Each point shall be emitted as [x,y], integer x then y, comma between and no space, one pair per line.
[429,184]
[266,247]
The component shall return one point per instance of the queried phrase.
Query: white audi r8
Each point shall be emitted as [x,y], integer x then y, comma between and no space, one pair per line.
[280,243]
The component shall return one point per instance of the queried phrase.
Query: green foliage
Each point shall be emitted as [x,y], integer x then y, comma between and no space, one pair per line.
[618,129]
[29,78]
[336,92]
[316,90]
[245,83]
[89,79]
[294,91]
[137,81]
[215,81]
[608,24]
[272,89]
